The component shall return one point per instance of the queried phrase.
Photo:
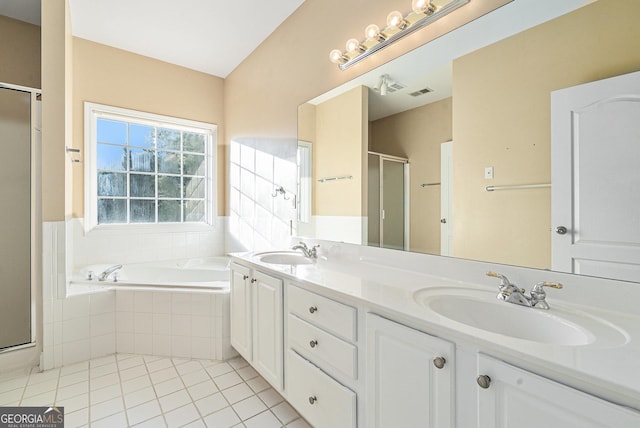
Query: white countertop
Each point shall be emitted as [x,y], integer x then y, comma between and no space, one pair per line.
[609,367]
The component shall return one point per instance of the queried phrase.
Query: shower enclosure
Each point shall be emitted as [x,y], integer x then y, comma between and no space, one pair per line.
[19,136]
[388,201]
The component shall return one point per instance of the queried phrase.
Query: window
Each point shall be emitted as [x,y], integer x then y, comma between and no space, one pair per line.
[143,168]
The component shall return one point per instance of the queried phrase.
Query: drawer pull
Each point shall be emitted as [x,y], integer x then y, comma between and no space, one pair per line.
[439,362]
[312,400]
[313,343]
[245,277]
[253,280]
[484,381]
[313,309]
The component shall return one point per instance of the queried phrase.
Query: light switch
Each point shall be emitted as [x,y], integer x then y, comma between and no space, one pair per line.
[488,173]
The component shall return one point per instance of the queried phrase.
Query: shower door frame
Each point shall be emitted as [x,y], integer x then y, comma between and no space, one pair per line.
[35,212]
[406,197]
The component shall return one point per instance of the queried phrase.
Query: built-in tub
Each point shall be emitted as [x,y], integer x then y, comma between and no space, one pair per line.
[206,274]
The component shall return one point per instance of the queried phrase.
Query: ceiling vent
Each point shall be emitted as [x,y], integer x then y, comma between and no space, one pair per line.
[394,87]
[421,92]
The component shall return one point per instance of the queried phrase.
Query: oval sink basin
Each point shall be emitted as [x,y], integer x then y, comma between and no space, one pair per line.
[481,310]
[284,258]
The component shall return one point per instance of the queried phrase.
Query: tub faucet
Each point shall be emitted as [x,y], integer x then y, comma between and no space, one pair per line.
[310,253]
[512,294]
[108,271]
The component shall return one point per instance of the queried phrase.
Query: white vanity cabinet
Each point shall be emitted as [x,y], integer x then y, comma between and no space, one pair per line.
[410,377]
[257,321]
[322,358]
[512,397]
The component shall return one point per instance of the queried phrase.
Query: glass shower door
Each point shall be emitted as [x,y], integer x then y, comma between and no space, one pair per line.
[393,204]
[15,218]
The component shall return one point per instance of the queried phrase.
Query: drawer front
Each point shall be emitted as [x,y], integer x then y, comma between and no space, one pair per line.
[317,397]
[322,348]
[325,313]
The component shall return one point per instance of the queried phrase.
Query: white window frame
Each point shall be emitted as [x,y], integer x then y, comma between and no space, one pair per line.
[93,111]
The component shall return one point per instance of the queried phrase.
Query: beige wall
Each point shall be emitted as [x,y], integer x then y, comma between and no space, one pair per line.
[110,76]
[502,119]
[339,149]
[262,95]
[416,135]
[19,53]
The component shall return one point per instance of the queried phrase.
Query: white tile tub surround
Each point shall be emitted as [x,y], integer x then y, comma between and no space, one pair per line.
[175,324]
[145,243]
[80,327]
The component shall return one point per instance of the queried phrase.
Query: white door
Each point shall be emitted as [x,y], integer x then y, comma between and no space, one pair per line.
[446,198]
[268,328]
[595,135]
[404,386]
[240,299]
[516,398]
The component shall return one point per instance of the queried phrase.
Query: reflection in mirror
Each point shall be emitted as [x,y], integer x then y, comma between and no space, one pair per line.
[484,90]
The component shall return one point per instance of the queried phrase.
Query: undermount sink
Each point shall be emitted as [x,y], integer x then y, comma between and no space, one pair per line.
[481,310]
[284,258]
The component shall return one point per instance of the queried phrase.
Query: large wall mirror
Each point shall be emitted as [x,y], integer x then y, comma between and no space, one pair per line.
[433,129]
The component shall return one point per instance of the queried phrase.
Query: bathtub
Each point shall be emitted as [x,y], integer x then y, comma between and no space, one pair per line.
[206,274]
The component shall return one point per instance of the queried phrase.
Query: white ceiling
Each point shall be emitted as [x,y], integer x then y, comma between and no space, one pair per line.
[212,36]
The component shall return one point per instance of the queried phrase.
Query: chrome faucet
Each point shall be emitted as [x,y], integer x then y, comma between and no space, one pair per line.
[310,253]
[108,271]
[512,294]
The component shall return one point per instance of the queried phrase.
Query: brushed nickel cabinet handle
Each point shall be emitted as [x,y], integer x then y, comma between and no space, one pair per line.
[312,400]
[439,362]
[313,309]
[484,381]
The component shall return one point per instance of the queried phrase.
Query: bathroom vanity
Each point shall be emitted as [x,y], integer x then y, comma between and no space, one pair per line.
[367,337]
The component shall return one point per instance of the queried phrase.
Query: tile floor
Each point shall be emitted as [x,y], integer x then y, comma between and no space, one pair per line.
[148,391]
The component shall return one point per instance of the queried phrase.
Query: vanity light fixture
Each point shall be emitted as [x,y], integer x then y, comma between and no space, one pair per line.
[423,12]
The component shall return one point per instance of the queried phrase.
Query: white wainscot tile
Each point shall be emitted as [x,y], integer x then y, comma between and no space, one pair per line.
[103,324]
[161,302]
[181,346]
[181,303]
[143,344]
[162,345]
[200,326]
[124,322]
[124,300]
[125,343]
[162,324]
[201,304]
[143,322]
[74,352]
[103,345]
[181,325]
[201,347]
[75,307]
[76,329]
[101,303]
[143,301]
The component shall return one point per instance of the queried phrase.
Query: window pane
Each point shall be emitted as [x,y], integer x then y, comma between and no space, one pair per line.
[112,211]
[112,131]
[193,142]
[193,164]
[169,162]
[142,211]
[141,135]
[143,160]
[142,186]
[194,187]
[194,211]
[168,139]
[112,158]
[169,211]
[168,187]
[112,184]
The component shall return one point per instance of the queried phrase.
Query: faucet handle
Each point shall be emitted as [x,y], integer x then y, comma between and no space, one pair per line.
[551,284]
[504,281]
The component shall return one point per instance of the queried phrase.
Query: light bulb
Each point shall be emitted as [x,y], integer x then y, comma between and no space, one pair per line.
[395,19]
[422,6]
[352,45]
[372,32]
[335,56]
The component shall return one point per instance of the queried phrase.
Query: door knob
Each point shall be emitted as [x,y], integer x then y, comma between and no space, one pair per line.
[484,381]
[561,230]
[439,362]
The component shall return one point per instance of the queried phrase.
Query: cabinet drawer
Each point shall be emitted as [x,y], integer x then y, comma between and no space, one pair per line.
[326,313]
[317,397]
[322,348]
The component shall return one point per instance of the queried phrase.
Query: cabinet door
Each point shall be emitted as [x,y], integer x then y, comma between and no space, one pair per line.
[240,298]
[268,328]
[518,398]
[404,386]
